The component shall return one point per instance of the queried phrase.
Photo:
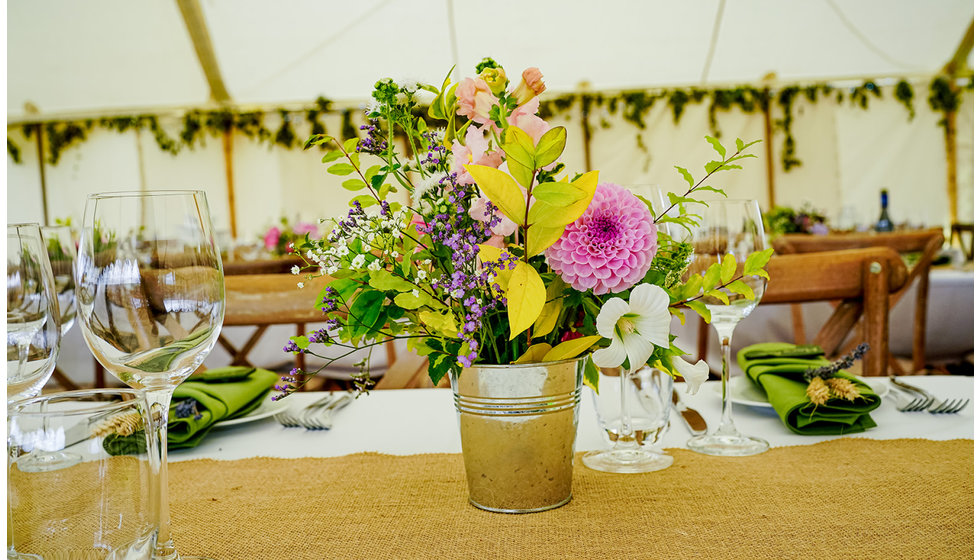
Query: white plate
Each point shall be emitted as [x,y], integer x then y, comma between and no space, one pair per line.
[266,409]
[745,392]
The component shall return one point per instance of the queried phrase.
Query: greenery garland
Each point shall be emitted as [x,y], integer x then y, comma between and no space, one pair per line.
[633,106]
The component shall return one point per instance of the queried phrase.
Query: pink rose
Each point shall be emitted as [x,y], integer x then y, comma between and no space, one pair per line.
[524,118]
[272,238]
[478,211]
[531,85]
[475,100]
[475,151]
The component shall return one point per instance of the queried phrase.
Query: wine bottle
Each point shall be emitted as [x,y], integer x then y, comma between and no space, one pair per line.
[884,221]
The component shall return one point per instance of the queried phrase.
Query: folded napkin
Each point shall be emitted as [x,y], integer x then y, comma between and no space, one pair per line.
[201,401]
[778,369]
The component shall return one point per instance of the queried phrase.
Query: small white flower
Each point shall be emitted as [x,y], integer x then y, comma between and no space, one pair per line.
[300,285]
[416,292]
[341,250]
[395,255]
[295,269]
[357,262]
[694,374]
[633,328]
[420,276]
[374,265]
[332,269]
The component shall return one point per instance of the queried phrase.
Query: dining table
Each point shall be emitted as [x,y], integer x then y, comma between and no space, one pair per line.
[387,481]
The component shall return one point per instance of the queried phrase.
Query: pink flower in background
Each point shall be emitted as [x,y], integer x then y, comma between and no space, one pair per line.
[272,238]
[475,151]
[524,117]
[478,211]
[475,100]
[303,228]
[531,85]
[610,247]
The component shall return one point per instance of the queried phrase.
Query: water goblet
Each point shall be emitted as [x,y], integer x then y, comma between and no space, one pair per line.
[151,299]
[728,227]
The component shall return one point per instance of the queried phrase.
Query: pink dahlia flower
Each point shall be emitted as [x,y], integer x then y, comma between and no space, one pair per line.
[272,238]
[610,247]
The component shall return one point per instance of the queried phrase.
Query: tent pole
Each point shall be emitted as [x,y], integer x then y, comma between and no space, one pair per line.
[587,138]
[951,69]
[230,181]
[197,28]
[770,169]
[40,164]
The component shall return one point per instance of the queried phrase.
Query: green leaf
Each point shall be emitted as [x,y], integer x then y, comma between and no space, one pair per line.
[525,298]
[540,238]
[408,300]
[545,322]
[515,135]
[550,147]
[591,375]
[550,216]
[365,200]
[441,323]
[534,354]
[331,156]
[439,365]
[340,169]
[700,309]
[742,288]
[353,184]
[756,262]
[372,171]
[712,189]
[365,310]
[719,295]
[571,348]
[558,194]
[728,266]
[739,145]
[350,144]
[716,145]
[385,281]
[302,341]
[686,174]
[501,189]
[691,287]
[678,199]
[678,313]
[712,276]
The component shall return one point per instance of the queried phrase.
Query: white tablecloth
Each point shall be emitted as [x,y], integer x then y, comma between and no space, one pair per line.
[410,421]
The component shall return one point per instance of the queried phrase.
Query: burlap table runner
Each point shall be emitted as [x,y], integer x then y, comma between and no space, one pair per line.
[846,498]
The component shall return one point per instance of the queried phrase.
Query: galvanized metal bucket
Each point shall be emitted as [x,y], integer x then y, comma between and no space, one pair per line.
[517,424]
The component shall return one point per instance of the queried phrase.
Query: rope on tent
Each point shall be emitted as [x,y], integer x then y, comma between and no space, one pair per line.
[714,42]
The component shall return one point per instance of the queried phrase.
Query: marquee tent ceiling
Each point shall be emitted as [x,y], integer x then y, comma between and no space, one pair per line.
[73,58]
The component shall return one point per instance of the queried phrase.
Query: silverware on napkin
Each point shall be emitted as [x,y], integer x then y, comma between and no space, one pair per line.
[692,419]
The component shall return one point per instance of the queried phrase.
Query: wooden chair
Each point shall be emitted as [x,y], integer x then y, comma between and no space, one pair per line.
[862,280]
[962,235]
[409,371]
[924,242]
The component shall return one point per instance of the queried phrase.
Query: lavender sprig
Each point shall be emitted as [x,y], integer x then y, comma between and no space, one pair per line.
[845,362]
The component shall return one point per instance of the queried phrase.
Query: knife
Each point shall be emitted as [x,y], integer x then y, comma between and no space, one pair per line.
[692,419]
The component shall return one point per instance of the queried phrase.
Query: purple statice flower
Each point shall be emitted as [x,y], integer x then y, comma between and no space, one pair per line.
[373,141]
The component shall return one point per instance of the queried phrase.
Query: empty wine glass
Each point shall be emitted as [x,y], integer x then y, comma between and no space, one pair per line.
[151,300]
[728,227]
[61,253]
[33,335]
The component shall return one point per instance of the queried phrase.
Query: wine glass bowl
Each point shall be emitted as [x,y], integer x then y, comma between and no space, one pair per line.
[33,334]
[62,254]
[732,230]
[151,300]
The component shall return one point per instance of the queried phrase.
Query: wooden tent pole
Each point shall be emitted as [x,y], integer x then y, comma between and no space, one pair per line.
[40,164]
[951,69]
[767,135]
[230,182]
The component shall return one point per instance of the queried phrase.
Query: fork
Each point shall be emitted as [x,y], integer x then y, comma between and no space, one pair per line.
[290,419]
[926,401]
[324,420]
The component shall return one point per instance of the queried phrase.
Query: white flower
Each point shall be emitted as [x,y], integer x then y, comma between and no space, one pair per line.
[694,374]
[634,328]
[300,285]
[374,265]
[420,276]
[357,262]
[295,269]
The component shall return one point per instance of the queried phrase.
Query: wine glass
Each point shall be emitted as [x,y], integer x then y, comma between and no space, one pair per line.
[728,227]
[61,253]
[33,336]
[151,299]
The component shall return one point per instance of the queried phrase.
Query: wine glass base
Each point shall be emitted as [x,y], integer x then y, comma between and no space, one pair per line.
[728,445]
[627,460]
[46,461]
[14,555]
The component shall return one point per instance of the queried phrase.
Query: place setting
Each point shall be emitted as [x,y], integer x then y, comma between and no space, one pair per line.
[464,306]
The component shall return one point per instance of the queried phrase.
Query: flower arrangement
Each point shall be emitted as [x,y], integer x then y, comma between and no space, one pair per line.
[501,256]
[783,219]
[282,239]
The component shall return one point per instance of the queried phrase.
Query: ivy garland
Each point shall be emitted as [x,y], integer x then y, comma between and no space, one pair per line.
[635,105]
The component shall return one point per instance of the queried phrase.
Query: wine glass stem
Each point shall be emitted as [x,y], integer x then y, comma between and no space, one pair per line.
[727,424]
[625,439]
[159,401]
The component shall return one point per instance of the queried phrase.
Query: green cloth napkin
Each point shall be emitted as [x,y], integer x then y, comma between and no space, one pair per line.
[220,394]
[781,377]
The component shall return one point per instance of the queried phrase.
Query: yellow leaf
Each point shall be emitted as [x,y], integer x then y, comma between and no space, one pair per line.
[552,308]
[525,298]
[534,354]
[571,348]
[501,189]
[540,238]
[442,323]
